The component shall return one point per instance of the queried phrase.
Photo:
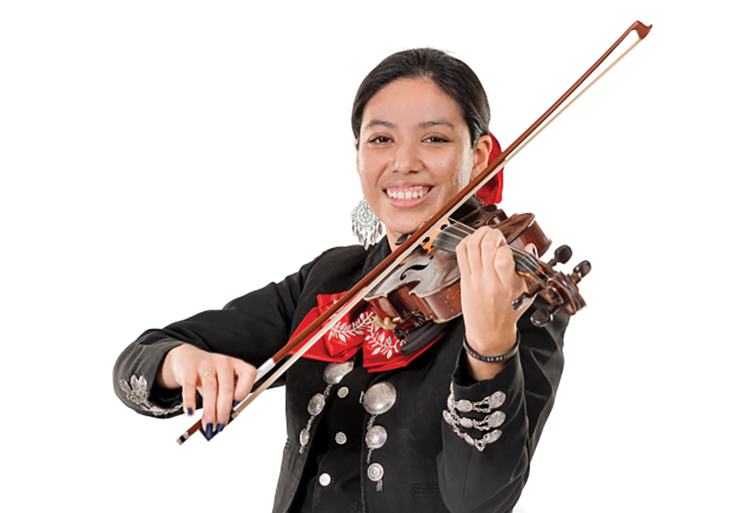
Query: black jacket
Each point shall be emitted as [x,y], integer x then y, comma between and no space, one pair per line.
[428,464]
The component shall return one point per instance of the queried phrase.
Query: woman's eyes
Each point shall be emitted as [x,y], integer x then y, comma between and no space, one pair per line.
[383,139]
[380,139]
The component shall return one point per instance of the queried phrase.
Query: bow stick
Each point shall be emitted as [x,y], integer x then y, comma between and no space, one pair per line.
[336,312]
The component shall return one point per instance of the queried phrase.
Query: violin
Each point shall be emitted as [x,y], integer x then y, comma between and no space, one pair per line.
[559,289]
[426,284]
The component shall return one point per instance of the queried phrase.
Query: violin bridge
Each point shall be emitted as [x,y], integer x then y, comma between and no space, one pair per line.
[430,238]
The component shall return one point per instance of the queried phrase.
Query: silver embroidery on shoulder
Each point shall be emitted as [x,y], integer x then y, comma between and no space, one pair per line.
[490,421]
[137,392]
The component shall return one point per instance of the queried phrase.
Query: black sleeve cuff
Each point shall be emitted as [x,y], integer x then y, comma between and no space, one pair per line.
[134,379]
[462,378]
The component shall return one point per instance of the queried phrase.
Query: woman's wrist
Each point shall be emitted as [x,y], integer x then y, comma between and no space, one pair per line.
[492,342]
[494,358]
[480,369]
[165,377]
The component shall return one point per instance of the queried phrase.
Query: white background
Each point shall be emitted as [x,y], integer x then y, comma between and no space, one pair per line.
[162,158]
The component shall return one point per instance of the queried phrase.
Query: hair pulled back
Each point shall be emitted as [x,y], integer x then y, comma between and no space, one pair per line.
[451,75]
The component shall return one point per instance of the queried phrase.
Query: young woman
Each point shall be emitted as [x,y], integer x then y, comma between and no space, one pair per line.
[376,422]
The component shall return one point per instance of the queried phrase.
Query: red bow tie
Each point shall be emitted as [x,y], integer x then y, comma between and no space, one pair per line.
[381,348]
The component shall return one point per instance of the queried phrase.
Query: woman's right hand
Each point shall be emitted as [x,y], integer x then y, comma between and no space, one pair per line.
[220,379]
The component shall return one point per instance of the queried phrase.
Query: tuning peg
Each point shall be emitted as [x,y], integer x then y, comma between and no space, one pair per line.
[562,255]
[525,298]
[544,315]
[522,300]
[541,317]
[582,269]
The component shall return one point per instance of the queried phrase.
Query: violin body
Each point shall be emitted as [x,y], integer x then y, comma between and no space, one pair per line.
[427,282]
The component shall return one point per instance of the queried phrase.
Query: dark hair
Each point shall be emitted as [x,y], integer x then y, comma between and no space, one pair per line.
[451,75]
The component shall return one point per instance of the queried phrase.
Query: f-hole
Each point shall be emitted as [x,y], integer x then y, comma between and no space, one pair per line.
[416,267]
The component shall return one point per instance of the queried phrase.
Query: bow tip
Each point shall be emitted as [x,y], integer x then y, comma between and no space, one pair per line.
[642,29]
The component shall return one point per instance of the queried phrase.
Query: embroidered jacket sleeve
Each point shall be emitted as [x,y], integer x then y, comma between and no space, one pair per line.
[252,327]
[491,428]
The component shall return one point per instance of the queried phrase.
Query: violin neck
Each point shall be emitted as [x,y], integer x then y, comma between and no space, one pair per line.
[449,238]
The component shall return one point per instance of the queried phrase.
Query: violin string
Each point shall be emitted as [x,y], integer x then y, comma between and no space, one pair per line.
[526,262]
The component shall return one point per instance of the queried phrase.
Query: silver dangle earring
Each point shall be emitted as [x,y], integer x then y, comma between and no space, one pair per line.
[366,226]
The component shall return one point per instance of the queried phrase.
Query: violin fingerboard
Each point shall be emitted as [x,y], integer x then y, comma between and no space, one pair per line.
[451,236]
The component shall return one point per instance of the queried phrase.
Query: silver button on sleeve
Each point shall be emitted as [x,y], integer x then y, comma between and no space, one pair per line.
[496,400]
[324,479]
[340,438]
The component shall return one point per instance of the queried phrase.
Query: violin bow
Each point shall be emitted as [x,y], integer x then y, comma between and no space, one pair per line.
[328,319]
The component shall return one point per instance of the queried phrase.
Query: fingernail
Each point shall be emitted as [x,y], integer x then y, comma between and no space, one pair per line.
[209,430]
[190,412]
[219,428]
[235,403]
[533,248]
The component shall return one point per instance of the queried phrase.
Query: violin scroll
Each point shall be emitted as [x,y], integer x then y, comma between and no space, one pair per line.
[559,289]
[427,283]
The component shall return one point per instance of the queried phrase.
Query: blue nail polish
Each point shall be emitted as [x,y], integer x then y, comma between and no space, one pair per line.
[235,403]
[219,428]
[190,412]
[209,430]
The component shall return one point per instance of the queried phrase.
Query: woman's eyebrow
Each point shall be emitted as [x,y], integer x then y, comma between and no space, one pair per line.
[425,124]
[380,122]
[428,124]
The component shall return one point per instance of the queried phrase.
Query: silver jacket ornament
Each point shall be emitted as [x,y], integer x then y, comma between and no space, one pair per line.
[432,440]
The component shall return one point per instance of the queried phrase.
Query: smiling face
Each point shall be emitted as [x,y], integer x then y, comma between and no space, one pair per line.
[414,154]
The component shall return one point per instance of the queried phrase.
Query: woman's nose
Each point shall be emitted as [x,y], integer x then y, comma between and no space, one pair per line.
[406,159]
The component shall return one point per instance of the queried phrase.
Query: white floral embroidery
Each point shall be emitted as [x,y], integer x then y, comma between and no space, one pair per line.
[377,340]
[137,392]
[382,342]
[344,331]
[364,321]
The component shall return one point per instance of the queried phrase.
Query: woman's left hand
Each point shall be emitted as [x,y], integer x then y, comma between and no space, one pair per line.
[489,284]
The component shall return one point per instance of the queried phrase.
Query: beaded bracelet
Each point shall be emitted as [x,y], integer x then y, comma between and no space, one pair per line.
[492,359]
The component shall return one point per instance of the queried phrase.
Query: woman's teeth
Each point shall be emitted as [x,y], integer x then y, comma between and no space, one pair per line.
[408,193]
